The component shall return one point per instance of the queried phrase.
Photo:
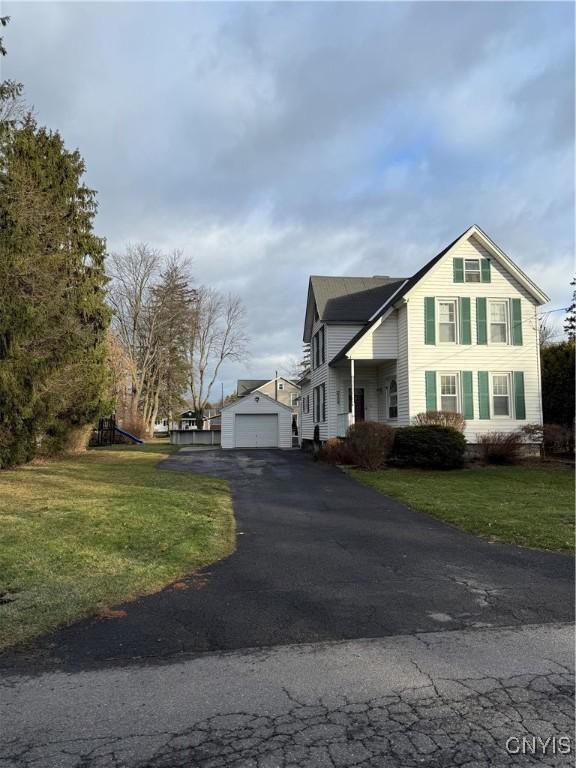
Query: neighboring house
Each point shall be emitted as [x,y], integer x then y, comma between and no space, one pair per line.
[459,335]
[161,427]
[187,420]
[285,391]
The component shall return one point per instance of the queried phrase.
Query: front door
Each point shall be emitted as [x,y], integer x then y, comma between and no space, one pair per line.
[358,402]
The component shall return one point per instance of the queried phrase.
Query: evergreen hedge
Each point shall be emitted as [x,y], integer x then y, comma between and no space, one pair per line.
[431,447]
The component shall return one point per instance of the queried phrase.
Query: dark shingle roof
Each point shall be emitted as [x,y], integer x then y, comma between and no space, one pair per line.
[409,283]
[350,299]
[360,306]
[245,386]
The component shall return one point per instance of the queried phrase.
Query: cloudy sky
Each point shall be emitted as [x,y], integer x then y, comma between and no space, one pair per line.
[274,141]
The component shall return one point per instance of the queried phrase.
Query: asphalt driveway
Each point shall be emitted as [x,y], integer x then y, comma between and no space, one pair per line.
[320,558]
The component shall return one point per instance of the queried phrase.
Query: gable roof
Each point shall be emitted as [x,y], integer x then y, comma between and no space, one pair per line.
[239,402]
[345,299]
[360,306]
[245,386]
[408,284]
[330,292]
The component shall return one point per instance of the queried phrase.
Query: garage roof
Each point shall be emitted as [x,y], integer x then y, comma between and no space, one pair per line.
[242,401]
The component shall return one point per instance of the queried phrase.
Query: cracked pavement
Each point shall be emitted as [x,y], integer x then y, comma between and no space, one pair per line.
[346,630]
[439,699]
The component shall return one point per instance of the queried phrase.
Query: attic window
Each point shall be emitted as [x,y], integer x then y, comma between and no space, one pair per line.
[280,385]
[471,270]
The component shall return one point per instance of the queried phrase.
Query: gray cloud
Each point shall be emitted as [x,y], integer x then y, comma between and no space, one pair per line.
[271,141]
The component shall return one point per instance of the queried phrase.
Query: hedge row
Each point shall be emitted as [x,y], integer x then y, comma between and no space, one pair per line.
[371,445]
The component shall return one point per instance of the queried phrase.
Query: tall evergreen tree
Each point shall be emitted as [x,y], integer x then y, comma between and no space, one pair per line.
[174,302]
[53,318]
[558,382]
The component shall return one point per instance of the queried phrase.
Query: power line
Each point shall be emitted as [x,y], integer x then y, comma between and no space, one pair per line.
[467,347]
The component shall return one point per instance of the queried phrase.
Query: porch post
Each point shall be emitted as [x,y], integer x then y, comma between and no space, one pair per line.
[353,397]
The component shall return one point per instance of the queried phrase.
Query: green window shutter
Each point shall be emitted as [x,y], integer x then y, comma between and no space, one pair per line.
[467,395]
[429,320]
[481,328]
[458,265]
[519,399]
[430,390]
[485,270]
[465,326]
[516,322]
[483,395]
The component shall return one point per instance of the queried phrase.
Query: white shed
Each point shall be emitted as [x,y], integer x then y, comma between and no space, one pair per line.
[256,421]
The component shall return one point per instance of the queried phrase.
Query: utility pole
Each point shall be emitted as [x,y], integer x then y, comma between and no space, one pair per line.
[276,385]
[222,398]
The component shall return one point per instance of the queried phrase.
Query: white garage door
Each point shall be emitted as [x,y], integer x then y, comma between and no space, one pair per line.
[256,430]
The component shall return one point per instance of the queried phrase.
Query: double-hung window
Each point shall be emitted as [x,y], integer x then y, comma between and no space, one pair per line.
[472,271]
[449,400]
[447,321]
[498,321]
[393,400]
[500,394]
[319,403]
[318,348]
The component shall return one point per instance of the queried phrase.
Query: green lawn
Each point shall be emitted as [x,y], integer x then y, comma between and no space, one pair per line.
[84,533]
[526,505]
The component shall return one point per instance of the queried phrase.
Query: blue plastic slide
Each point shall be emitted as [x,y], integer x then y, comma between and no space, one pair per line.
[129,436]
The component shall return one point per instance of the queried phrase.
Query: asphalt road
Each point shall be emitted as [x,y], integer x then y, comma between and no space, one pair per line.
[319,558]
[346,630]
[432,700]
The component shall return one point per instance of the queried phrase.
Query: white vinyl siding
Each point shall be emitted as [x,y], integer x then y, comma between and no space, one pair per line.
[403,365]
[488,357]
[336,336]
[256,404]
[379,342]
[306,427]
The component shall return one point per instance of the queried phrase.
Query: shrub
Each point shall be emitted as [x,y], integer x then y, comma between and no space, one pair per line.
[534,432]
[558,438]
[430,446]
[440,419]
[335,451]
[135,425]
[370,444]
[501,447]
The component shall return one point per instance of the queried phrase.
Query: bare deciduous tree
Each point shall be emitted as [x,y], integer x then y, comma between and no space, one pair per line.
[547,334]
[132,277]
[217,334]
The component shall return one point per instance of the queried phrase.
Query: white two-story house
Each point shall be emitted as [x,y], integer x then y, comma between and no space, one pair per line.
[459,335]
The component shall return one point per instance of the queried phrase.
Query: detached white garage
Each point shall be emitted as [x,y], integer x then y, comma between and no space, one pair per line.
[256,421]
